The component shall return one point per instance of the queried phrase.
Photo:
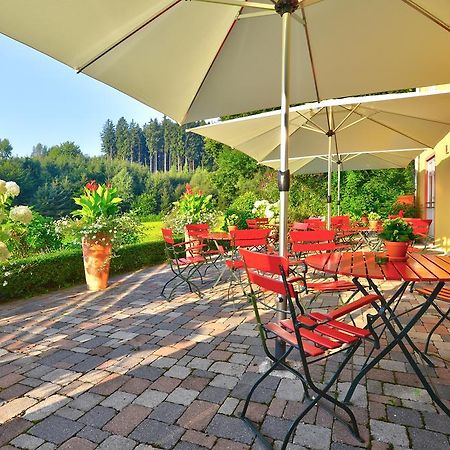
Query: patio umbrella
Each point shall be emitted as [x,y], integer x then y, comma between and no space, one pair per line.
[394,159]
[414,120]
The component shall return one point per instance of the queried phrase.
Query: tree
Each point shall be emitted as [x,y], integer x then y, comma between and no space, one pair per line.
[108,136]
[39,151]
[153,139]
[67,150]
[5,149]
[123,182]
[122,139]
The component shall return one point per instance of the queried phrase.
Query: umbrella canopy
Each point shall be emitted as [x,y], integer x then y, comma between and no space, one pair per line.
[353,125]
[201,59]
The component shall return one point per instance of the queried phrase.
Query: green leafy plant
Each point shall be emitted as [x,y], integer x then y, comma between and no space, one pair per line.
[191,208]
[397,230]
[231,219]
[373,216]
[407,210]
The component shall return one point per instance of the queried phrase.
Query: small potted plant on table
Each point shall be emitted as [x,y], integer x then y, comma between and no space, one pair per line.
[397,235]
[231,222]
[374,219]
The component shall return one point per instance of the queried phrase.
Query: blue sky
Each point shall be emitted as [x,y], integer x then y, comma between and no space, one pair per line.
[42,100]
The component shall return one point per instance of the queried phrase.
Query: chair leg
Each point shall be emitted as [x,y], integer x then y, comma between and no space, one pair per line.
[443,317]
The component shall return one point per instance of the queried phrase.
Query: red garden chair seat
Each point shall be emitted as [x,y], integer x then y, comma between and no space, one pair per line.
[315,335]
[195,232]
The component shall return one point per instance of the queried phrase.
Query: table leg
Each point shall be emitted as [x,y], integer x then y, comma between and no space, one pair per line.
[398,337]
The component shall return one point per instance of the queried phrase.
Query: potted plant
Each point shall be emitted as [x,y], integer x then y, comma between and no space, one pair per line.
[397,235]
[374,219]
[99,206]
[231,222]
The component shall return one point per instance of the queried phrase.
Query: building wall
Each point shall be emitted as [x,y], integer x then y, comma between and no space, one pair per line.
[442,196]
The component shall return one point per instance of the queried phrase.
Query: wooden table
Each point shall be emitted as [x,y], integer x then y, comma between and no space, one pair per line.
[416,268]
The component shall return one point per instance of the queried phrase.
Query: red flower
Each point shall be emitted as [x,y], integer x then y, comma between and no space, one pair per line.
[109,185]
[92,185]
[200,193]
[189,189]
[401,213]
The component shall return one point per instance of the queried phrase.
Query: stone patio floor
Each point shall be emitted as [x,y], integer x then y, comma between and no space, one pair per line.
[125,369]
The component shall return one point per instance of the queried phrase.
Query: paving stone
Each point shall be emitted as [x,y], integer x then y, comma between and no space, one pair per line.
[202,439]
[290,390]
[228,406]
[27,441]
[118,400]
[44,390]
[312,436]
[15,407]
[226,368]
[406,392]
[403,416]
[77,443]
[261,394]
[275,428]
[198,415]
[224,381]
[117,443]
[70,413]
[98,416]
[86,401]
[157,433]
[65,429]
[230,428]
[178,372]
[127,420]
[48,406]
[147,372]
[93,434]
[436,422]
[150,398]
[47,446]
[182,396]
[424,439]
[214,394]
[136,386]
[188,446]
[61,376]
[390,433]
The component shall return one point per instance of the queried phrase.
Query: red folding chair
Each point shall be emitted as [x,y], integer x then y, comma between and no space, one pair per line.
[212,255]
[299,226]
[315,335]
[181,265]
[251,239]
[315,223]
[442,297]
[304,243]
[259,222]
[421,229]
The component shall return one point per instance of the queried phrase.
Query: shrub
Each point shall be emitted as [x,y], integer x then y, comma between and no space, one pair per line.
[38,274]
[242,208]
[408,210]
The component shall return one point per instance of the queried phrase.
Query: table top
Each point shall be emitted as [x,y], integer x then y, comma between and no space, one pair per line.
[417,267]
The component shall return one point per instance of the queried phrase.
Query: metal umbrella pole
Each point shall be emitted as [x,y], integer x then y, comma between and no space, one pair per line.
[339,168]
[285,8]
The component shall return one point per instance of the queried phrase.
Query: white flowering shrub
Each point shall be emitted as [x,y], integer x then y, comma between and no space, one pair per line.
[10,216]
[263,208]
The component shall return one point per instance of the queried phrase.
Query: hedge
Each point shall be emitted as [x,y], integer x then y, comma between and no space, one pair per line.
[39,274]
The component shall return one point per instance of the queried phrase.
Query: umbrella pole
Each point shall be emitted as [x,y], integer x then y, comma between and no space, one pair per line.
[283,175]
[339,163]
[330,138]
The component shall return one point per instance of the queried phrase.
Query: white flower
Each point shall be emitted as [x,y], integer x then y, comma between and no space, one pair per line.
[2,187]
[4,252]
[269,213]
[12,189]
[21,214]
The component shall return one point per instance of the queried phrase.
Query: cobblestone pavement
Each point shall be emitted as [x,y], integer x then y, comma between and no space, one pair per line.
[125,369]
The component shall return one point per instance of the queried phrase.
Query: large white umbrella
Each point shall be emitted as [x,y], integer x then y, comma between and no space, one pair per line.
[414,120]
[394,159]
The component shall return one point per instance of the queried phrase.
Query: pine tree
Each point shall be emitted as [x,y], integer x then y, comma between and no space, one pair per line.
[122,139]
[108,136]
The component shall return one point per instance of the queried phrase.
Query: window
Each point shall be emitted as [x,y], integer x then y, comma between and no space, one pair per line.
[430,183]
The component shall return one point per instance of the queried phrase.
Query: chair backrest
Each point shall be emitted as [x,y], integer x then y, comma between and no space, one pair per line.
[168,236]
[312,241]
[196,229]
[315,223]
[261,268]
[250,238]
[299,226]
[340,221]
[420,227]
[258,222]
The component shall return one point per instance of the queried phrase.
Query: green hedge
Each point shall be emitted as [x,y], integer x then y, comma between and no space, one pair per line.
[38,274]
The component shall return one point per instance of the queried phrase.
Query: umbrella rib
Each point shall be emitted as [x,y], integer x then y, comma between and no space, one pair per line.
[127,36]
[311,59]
[427,14]
[347,116]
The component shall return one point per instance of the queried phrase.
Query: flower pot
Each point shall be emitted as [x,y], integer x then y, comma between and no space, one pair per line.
[396,251]
[373,224]
[232,227]
[96,258]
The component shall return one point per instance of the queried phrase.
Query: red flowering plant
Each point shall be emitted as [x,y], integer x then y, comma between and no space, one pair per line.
[193,207]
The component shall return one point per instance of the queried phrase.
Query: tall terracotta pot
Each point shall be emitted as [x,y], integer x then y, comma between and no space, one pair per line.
[96,258]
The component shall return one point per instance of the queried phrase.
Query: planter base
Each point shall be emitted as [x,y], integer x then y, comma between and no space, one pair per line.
[96,258]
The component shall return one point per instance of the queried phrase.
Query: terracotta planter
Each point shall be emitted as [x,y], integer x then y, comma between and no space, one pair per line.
[373,224]
[232,227]
[96,258]
[396,251]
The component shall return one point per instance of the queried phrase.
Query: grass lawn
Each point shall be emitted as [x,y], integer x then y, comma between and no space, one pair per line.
[152,231]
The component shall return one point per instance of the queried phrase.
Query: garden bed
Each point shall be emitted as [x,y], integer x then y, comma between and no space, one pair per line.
[38,274]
